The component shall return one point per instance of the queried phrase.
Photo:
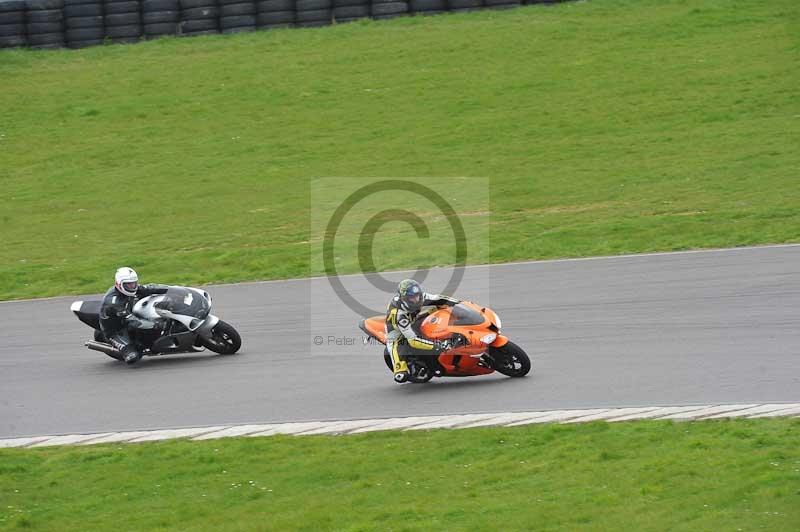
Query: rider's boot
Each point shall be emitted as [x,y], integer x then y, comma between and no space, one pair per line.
[131,355]
[401,372]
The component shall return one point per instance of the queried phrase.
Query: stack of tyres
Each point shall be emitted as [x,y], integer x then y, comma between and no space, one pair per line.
[349,10]
[236,16]
[45,23]
[501,4]
[123,20]
[382,9]
[160,18]
[199,17]
[12,24]
[83,20]
[275,14]
[464,5]
[427,7]
[312,13]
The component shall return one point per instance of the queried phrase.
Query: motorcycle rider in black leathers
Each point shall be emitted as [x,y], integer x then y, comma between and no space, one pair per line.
[116,320]
[402,338]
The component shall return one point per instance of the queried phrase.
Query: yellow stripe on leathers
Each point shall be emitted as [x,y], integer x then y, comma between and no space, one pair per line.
[399,365]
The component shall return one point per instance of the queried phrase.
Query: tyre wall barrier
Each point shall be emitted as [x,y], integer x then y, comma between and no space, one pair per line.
[81,23]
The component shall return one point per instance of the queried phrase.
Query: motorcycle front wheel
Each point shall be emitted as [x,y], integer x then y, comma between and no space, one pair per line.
[224,340]
[511,360]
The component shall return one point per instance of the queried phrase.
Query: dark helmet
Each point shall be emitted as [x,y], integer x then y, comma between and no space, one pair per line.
[410,293]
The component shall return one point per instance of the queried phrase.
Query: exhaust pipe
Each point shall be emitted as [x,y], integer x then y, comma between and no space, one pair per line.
[103,348]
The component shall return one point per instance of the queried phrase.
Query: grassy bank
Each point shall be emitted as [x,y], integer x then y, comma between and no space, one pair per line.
[726,475]
[603,127]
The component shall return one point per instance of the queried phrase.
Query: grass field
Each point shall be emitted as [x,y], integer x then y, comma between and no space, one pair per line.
[651,475]
[603,127]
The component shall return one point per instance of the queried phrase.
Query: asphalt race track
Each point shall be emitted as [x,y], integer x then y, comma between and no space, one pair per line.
[667,329]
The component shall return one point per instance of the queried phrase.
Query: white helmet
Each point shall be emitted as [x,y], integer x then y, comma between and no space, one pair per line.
[126,281]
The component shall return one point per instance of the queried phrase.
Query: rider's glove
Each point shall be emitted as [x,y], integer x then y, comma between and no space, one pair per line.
[450,343]
[132,322]
[442,345]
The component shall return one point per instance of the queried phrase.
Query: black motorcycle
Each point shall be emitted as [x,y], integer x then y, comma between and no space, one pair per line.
[179,321]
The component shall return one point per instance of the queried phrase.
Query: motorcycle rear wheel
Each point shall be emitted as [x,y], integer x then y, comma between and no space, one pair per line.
[511,360]
[224,340]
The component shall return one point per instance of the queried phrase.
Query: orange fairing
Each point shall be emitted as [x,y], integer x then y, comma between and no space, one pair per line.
[479,325]
[375,327]
[500,341]
[471,321]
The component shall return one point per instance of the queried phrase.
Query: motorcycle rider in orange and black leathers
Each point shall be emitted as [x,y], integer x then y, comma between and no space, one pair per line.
[402,336]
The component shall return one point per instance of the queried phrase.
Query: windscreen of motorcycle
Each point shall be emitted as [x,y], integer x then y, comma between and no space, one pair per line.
[185,302]
[464,315]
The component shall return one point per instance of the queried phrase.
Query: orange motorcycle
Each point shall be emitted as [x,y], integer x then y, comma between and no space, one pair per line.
[481,349]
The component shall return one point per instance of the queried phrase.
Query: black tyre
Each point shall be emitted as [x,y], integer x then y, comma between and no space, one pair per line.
[464,4]
[12,41]
[84,10]
[312,5]
[276,26]
[417,6]
[224,340]
[501,3]
[36,5]
[158,17]
[45,15]
[199,33]
[127,40]
[84,22]
[342,3]
[266,6]
[124,19]
[85,34]
[275,18]
[85,44]
[161,29]
[511,360]
[314,23]
[124,32]
[118,8]
[200,13]
[389,9]
[15,6]
[150,6]
[35,28]
[191,26]
[194,4]
[46,39]
[12,17]
[237,10]
[350,12]
[9,30]
[238,29]
[316,16]
[244,21]
[387,359]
